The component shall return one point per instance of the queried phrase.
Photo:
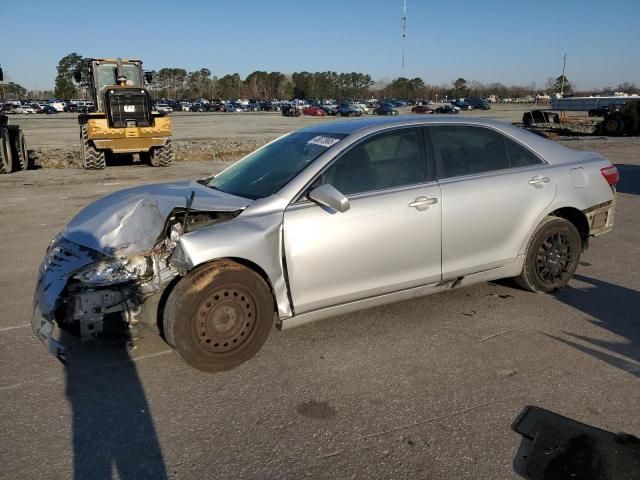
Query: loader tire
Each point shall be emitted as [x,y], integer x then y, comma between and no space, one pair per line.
[6,158]
[18,150]
[160,156]
[613,125]
[92,158]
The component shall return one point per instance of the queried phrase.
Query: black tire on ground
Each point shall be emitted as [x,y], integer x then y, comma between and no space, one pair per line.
[18,150]
[6,158]
[159,156]
[613,125]
[552,256]
[218,316]
[92,158]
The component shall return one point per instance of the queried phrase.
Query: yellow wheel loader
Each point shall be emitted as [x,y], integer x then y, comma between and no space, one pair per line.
[124,121]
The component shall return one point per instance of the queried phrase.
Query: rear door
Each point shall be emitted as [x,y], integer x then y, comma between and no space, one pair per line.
[389,240]
[493,191]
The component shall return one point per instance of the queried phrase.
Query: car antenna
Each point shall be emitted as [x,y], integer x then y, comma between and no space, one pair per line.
[186,212]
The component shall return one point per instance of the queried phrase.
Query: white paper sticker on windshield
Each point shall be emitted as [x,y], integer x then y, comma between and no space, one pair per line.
[323,141]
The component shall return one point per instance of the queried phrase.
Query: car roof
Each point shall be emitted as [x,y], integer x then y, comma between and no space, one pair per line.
[550,151]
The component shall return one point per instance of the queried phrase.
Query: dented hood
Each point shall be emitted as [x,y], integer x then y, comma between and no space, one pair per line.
[130,221]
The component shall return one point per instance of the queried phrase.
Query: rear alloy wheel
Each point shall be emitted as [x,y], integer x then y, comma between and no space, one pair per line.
[92,158]
[6,158]
[552,256]
[19,150]
[219,316]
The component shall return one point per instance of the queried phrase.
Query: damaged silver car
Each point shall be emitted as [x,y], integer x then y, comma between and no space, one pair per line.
[323,221]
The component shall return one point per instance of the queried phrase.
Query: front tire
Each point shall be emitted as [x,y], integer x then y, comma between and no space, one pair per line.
[18,150]
[613,125]
[92,158]
[219,316]
[552,256]
[6,158]
[159,156]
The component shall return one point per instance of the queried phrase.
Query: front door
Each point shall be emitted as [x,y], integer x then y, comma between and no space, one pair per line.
[389,239]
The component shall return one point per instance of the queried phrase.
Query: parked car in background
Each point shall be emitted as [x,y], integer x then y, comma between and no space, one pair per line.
[478,103]
[197,107]
[313,201]
[233,107]
[447,109]
[291,110]
[422,109]
[462,105]
[329,109]
[48,109]
[385,109]
[163,108]
[362,106]
[314,111]
[26,109]
[349,110]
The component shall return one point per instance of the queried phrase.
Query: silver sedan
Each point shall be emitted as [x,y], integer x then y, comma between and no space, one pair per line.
[326,220]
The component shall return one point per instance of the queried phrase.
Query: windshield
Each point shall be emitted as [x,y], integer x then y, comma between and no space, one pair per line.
[106,75]
[267,170]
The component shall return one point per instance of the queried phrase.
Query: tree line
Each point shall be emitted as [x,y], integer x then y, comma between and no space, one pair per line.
[178,83]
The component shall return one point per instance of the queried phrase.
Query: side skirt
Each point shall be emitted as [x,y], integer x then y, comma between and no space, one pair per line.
[511,270]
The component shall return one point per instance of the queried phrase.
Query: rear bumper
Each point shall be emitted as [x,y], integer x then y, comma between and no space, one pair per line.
[601,217]
[130,139]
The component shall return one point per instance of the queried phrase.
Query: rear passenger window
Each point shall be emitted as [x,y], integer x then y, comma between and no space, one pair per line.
[519,156]
[468,150]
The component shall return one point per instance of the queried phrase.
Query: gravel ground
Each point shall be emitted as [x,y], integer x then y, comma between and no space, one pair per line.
[424,389]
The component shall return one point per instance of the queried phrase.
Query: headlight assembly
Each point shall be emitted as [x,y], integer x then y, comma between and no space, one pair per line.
[112,271]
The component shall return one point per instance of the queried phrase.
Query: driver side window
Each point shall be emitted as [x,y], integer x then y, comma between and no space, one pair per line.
[387,160]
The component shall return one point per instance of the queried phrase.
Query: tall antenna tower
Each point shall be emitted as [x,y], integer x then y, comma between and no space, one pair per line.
[404,31]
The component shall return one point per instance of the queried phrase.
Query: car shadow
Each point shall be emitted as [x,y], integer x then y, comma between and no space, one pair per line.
[113,429]
[629,178]
[613,308]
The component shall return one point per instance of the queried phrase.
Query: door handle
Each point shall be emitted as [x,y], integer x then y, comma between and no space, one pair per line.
[422,203]
[539,181]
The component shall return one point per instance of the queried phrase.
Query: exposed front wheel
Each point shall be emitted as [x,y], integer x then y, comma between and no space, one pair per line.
[219,316]
[552,256]
[92,158]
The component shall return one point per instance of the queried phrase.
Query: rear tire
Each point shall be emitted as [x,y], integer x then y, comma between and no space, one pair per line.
[218,316]
[159,156]
[6,158]
[613,125]
[552,256]
[92,158]
[18,150]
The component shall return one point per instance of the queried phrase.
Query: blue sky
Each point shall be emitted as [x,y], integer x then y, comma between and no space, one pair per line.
[515,42]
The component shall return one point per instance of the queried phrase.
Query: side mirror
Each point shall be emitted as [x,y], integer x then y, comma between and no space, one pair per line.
[328,196]
[1,76]
[77,75]
[148,76]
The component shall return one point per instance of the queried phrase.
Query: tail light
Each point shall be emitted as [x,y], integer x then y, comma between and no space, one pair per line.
[610,174]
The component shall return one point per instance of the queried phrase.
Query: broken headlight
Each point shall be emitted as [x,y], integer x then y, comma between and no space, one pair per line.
[111,271]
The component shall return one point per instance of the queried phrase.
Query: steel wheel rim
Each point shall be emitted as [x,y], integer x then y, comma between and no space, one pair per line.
[225,320]
[555,258]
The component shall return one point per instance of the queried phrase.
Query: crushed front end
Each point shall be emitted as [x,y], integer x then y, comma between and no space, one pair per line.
[88,293]
[93,294]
